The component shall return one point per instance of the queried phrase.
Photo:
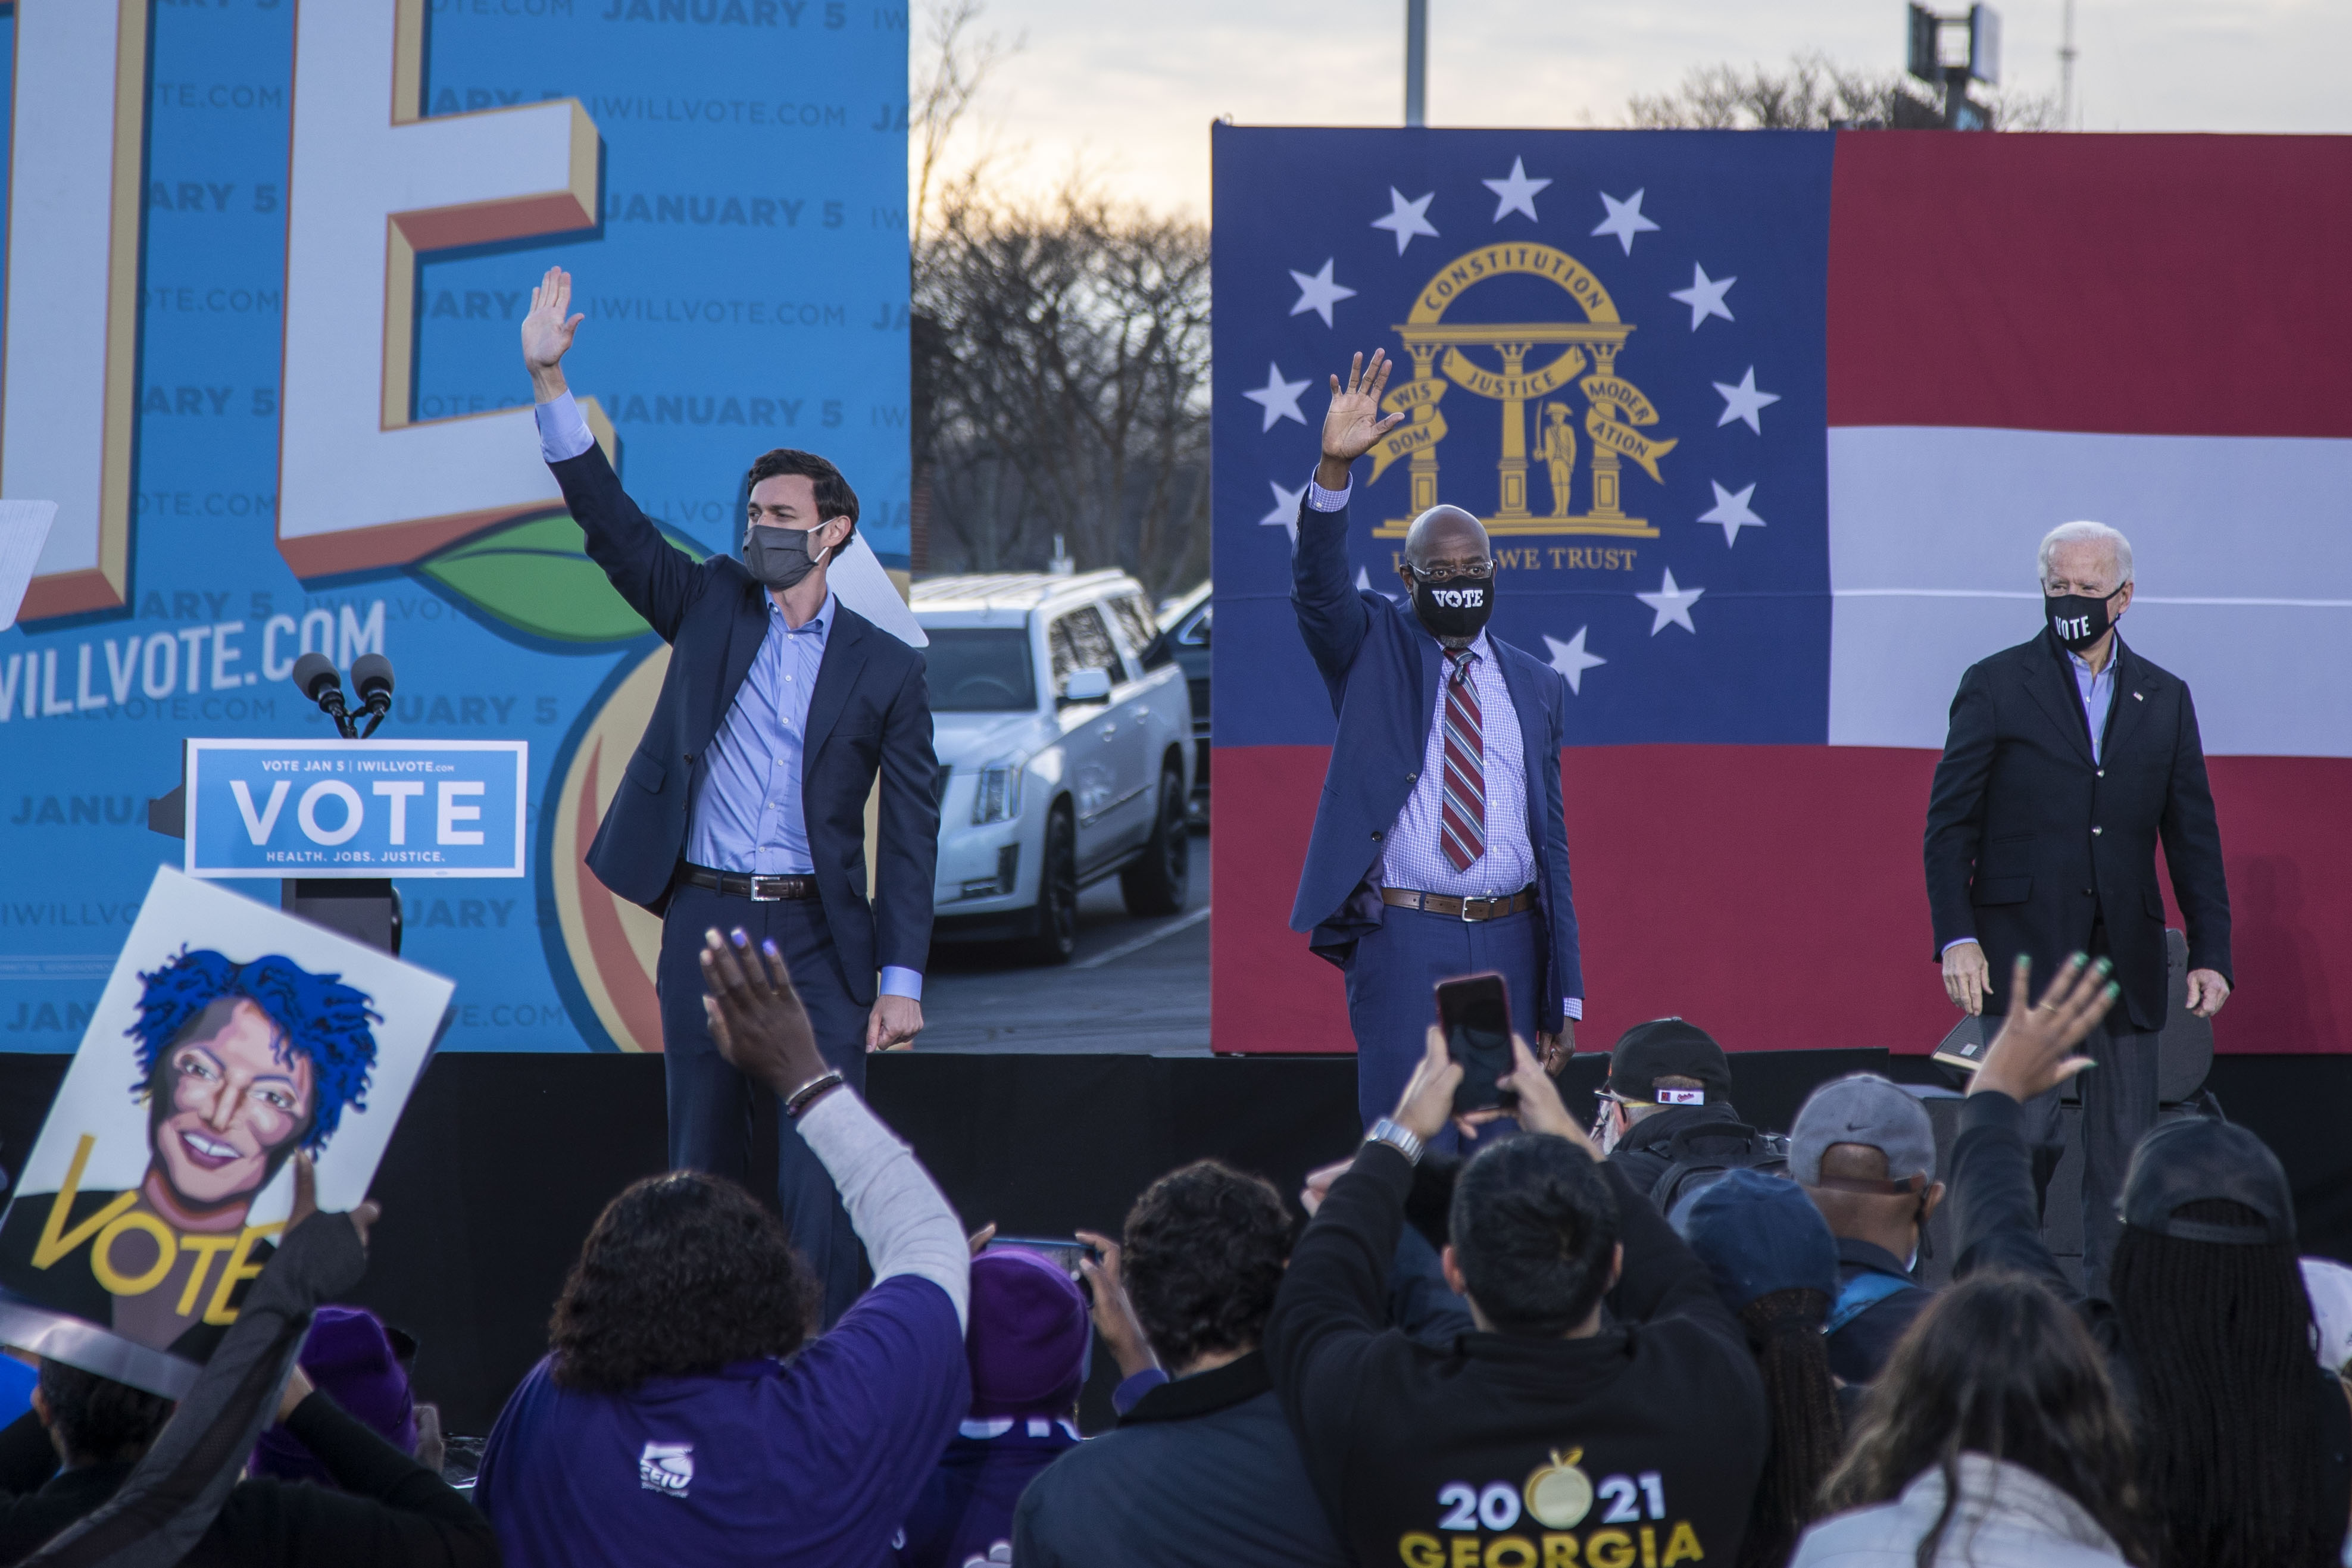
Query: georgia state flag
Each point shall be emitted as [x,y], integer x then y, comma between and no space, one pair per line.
[1766,427]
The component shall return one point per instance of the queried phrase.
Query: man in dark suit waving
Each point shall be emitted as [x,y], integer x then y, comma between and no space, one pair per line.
[1439,846]
[2069,759]
[744,805]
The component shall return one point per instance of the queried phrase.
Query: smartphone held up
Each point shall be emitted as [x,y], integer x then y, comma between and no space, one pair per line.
[1475,1012]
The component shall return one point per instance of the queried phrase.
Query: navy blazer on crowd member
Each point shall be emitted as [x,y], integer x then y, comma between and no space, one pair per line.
[870,711]
[2028,837]
[1382,671]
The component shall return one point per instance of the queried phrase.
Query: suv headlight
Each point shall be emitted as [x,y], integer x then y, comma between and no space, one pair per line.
[996,796]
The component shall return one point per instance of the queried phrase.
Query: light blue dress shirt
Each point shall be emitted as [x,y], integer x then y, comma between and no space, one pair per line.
[747,814]
[2098,692]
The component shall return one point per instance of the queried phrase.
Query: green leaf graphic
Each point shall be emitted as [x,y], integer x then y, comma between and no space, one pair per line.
[535,575]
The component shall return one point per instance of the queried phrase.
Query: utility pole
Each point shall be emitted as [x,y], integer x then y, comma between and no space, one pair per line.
[2066,71]
[1416,62]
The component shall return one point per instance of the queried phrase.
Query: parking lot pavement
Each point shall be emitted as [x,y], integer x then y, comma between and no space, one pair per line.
[1140,986]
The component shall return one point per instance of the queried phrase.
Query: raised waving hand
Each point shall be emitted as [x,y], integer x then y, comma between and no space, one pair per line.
[547,333]
[1354,420]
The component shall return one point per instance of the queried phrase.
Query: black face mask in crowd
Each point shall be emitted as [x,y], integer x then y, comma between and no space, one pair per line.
[778,557]
[2077,620]
[1453,611]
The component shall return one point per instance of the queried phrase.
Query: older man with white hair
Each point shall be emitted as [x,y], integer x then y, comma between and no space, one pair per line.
[2068,760]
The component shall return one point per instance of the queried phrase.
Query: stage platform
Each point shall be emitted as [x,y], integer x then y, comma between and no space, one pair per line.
[502,1162]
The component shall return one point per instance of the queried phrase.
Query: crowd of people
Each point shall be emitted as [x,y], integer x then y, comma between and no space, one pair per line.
[1670,1339]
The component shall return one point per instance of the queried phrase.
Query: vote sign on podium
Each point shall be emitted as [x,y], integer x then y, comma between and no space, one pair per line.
[356,808]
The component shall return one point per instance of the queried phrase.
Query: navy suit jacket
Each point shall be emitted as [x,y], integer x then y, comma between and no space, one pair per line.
[2012,858]
[870,712]
[1382,672]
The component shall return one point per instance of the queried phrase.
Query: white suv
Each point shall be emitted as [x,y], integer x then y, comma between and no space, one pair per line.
[1064,731]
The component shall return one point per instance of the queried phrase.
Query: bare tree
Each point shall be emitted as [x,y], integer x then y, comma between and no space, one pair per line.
[1067,384]
[1813,94]
[961,64]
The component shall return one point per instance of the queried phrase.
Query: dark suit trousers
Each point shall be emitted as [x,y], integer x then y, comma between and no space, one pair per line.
[710,1102]
[1391,978]
[2119,1103]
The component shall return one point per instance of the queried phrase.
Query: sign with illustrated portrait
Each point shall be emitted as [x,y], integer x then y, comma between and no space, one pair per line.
[230,1037]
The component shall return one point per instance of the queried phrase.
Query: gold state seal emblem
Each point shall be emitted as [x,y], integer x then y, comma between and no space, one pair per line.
[1615,412]
[1558,1495]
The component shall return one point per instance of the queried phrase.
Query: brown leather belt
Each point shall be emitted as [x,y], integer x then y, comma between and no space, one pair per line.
[746,884]
[1461,908]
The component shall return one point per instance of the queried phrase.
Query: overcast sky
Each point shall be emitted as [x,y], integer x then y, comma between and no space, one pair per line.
[1129,90]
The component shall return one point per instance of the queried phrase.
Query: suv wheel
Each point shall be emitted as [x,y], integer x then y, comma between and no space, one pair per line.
[1156,884]
[1056,936]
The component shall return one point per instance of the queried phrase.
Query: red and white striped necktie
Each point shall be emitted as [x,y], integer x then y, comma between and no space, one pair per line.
[1465,812]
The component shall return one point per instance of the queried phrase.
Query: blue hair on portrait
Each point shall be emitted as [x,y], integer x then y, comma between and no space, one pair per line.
[315,1015]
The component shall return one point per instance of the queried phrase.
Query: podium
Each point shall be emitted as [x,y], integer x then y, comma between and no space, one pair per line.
[365,908]
[333,822]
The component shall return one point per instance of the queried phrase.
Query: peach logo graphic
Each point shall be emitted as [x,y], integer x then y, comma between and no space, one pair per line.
[611,944]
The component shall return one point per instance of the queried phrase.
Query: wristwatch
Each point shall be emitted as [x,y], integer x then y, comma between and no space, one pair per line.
[1400,1139]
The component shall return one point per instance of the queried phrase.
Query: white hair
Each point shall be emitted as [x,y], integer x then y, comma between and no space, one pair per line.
[2084,533]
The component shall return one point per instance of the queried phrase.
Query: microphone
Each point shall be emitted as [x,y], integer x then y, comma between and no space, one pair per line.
[316,675]
[371,678]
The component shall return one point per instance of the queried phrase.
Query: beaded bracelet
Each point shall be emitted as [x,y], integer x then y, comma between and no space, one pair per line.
[797,1101]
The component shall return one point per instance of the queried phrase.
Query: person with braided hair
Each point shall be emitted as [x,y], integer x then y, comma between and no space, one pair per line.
[1775,1265]
[2245,1443]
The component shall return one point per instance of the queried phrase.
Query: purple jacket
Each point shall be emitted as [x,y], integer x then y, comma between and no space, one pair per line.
[814,1461]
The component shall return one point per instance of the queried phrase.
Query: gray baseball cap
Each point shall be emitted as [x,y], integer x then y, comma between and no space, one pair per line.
[1868,1109]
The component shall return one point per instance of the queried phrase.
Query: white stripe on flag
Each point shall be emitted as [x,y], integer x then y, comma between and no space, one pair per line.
[2238,542]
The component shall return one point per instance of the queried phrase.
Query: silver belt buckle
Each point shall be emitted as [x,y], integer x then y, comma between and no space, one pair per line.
[1467,917]
[759,897]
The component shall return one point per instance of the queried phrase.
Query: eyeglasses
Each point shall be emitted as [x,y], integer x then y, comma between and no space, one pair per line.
[1478,573]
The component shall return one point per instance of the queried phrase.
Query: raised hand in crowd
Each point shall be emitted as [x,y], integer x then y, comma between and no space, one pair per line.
[1115,1324]
[1539,1108]
[756,1017]
[1354,420]
[2032,1055]
[1427,1103]
[1319,1183]
[305,1201]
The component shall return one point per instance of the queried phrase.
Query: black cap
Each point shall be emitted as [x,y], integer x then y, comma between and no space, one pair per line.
[1667,1048]
[2197,1158]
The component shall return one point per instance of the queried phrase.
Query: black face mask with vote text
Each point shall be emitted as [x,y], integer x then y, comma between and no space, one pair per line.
[778,557]
[2077,620]
[1455,611]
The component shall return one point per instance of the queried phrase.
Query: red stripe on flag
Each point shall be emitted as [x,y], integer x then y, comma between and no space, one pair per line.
[2138,285]
[1773,895]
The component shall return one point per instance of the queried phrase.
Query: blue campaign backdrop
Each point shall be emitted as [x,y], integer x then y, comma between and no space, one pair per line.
[1712,245]
[746,288]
